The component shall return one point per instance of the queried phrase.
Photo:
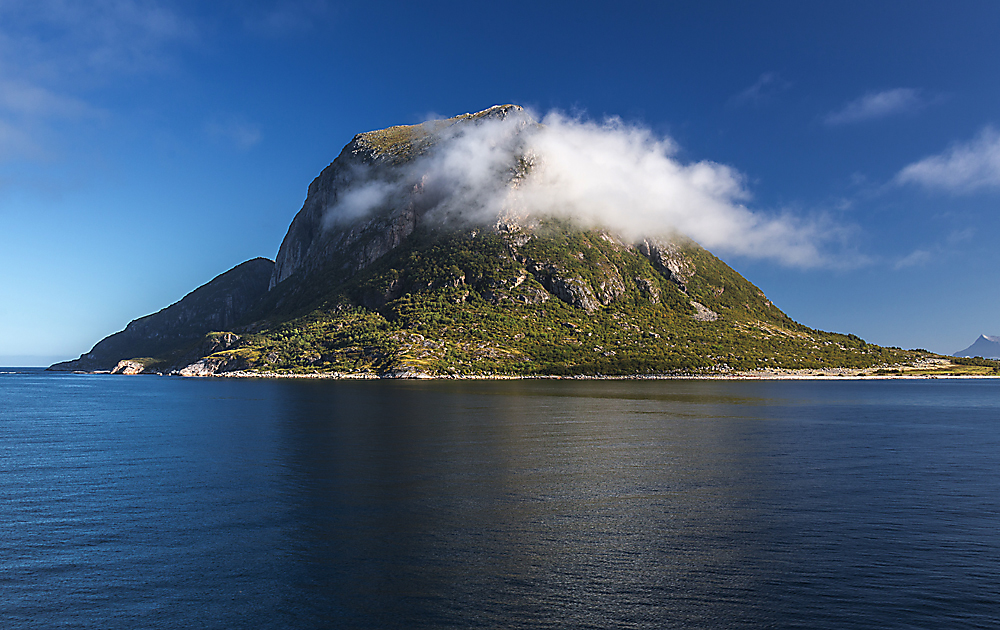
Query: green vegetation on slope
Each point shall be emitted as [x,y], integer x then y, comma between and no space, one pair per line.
[553,301]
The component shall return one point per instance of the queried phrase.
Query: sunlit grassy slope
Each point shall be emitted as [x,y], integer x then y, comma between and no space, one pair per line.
[553,301]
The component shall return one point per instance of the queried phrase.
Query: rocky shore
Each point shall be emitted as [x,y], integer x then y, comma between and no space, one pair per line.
[932,368]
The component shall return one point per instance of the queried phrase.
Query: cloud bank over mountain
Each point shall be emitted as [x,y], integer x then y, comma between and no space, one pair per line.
[608,174]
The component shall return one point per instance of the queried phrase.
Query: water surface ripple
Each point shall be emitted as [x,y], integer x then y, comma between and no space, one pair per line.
[132,502]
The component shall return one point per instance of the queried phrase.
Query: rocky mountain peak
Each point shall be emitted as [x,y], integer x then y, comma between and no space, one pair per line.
[371,171]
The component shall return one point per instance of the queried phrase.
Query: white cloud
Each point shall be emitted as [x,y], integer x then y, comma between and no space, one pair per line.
[27,112]
[607,175]
[766,89]
[949,246]
[917,257]
[964,168]
[17,143]
[960,236]
[288,17]
[631,181]
[877,105]
[362,199]
[51,50]
[236,131]
[25,99]
[29,117]
[92,37]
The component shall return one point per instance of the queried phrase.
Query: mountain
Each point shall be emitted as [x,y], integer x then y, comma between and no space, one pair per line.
[986,347]
[414,255]
[216,306]
[313,240]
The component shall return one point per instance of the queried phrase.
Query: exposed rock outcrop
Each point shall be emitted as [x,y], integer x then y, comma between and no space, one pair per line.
[211,365]
[702,313]
[128,367]
[668,258]
[315,239]
[572,290]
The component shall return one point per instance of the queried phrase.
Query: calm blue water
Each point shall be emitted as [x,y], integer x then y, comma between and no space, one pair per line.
[145,502]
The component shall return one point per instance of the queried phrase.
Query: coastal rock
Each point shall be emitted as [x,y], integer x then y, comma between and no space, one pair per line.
[128,367]
[212,365]
[408,373]
[210,344]
[204,367]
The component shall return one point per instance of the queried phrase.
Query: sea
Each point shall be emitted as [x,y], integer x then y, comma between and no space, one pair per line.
[164,502]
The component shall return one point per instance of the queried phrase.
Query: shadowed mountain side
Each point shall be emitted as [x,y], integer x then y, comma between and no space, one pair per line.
[216,306]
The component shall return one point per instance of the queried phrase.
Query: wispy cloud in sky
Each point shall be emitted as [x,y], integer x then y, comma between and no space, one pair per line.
[20,97]
[26,113]
[916,258]
[964,168]
[236,131]
[52,51]
[876,105]
[924,255]
[17,143]
[288,17]
[55,38]
[765,90]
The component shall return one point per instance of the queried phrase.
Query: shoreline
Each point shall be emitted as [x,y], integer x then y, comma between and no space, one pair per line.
[928,368]
[739,376]
[931,368]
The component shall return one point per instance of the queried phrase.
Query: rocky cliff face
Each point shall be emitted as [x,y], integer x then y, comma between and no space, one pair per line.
[314,245]
[313,241]
[216,306]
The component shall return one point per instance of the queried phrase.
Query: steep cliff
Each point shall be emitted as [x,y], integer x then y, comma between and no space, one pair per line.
[313,240]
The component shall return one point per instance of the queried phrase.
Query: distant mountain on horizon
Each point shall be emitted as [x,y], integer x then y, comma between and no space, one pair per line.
[986,346]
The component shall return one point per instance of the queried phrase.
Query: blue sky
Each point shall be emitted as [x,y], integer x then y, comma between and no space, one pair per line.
[147,146]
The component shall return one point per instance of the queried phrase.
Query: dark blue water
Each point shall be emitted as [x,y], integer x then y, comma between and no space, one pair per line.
[145,502]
